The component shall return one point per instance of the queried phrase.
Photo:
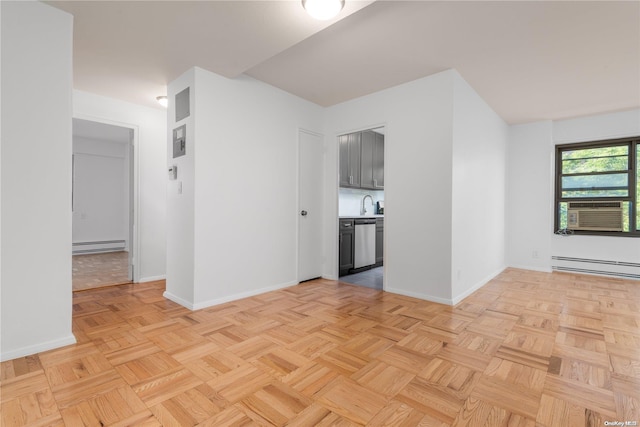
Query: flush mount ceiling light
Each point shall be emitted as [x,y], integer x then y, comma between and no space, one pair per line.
[162,100]
[323,9]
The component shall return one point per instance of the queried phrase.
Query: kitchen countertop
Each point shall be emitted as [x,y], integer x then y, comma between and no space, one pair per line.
[359,216]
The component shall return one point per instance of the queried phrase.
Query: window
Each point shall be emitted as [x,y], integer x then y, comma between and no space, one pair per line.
[599,171]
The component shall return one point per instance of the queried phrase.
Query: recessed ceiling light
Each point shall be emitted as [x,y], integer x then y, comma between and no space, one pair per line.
[323,9]
[162,100]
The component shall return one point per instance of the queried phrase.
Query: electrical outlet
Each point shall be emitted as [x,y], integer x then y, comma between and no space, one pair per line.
[534,254]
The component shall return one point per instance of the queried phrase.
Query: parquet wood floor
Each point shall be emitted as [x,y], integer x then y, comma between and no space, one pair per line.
[92,271]
[528,349]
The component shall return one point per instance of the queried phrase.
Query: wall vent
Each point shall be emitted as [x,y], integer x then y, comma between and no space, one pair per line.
[600,267]
[595,215]
[80,248]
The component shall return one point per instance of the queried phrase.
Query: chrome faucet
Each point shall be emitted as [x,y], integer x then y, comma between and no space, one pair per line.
[363,210]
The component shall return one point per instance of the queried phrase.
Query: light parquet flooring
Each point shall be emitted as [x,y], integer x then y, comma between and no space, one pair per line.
[92,271]
[528,349]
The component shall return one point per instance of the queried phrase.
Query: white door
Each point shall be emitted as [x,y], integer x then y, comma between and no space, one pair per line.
[310,194]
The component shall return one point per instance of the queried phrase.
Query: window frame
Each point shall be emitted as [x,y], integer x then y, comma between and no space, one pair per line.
[632,170]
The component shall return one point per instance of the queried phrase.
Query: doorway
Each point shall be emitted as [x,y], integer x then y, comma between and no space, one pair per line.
[361,207]
[102,204]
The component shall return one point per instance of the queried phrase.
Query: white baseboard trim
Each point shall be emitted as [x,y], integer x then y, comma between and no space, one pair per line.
[418,295]
[178,300]
[37,348]
[446,301]
[477,286]
[234,297]
[152,278]
[532,268]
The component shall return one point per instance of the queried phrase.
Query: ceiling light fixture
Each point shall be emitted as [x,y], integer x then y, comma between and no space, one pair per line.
[162,100]
[323,9]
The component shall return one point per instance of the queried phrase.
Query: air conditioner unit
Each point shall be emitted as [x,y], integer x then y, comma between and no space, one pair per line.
[595,215]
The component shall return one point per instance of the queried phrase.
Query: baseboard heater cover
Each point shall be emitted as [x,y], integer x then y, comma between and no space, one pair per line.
[623,269]
[98,246]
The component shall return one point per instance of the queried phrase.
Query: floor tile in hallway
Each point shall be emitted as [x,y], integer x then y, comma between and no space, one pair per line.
[369,278]
[98,270]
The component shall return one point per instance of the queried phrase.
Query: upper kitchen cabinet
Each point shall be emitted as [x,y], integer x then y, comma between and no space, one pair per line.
[378,162]
[362,160]
[350,146]
[372,161]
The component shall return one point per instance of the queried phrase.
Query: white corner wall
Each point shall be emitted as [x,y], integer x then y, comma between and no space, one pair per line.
[530,195]
[36,178]
[418,189]
[180,200]
[242,154]
[478,187]
[151,126]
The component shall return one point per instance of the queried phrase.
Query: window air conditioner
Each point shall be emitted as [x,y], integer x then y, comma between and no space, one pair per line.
[595,216]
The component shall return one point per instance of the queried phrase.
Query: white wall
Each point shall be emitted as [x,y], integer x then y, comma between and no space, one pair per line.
[1,134]
[150,125]
[593,128]
[245,139]
[530,195]
[479,184]
[36,175]
[100,190]
[418,189]
[180,200]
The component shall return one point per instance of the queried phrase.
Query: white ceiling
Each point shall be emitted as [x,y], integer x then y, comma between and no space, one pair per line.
[529,60]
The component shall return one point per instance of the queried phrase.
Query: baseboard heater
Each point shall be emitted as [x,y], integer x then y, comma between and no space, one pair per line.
[80,248]
[600,267]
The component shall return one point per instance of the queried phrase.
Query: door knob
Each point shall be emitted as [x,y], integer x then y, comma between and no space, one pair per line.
[303,213]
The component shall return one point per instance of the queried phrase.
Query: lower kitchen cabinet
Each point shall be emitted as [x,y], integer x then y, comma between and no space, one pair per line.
[346,240]
[379,241]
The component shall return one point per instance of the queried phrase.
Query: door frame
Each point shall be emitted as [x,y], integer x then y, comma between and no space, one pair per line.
[134,186]
[336,222]
[298,207]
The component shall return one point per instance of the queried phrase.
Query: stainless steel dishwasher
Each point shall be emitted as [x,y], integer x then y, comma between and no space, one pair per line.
[365,243]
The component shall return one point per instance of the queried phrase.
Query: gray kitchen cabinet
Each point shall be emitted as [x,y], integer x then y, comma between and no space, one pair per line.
[368,141]
[372,161]
[379,241]
[378,162]
[362,160]
[350,146]
[346,239]
[343,145]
